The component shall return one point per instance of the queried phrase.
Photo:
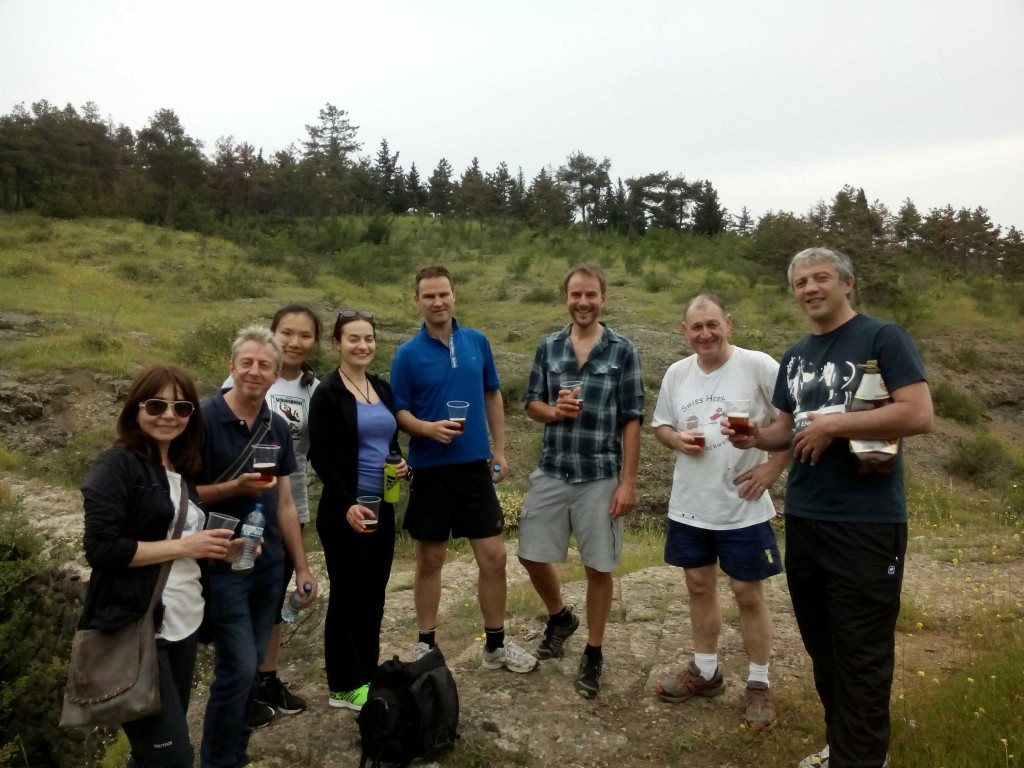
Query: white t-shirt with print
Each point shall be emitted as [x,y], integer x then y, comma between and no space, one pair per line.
[703,493]
[183,594]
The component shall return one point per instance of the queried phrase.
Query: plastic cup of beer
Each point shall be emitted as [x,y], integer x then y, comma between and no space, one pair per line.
[372,505]
[576,387]
[457,410]
[699,435]
[264,461]
[738,412]
[217,520]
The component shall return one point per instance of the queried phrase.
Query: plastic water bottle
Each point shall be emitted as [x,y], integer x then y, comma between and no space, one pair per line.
[391,489]
[252,531]
[292,606]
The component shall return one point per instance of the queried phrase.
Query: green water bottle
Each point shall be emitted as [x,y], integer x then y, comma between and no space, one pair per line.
[391,490]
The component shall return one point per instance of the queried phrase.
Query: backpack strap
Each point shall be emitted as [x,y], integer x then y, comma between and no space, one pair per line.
[243,457]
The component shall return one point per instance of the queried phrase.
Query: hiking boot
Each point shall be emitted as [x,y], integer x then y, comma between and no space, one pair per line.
[760,713]
[260,715]
[689,683]
[588,678]
[273,692]
[419,651]
[510,656]
[818,758]
[555,635]
[354,699]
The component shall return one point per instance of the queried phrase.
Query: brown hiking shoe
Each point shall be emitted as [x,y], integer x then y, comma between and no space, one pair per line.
[760,713]
[689,683]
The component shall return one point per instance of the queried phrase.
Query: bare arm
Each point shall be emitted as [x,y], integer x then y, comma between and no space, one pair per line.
[909,413]
[625,495]
[495,408]
[683,442]
[754,482]
[246,484]
[291,534]
[441,431]
[213,544]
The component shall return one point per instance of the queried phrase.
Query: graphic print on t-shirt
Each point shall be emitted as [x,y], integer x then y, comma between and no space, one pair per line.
[292,409]
[812,387]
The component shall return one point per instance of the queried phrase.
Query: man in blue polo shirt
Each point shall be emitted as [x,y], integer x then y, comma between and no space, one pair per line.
[586,388]
[242,606]
[453,490]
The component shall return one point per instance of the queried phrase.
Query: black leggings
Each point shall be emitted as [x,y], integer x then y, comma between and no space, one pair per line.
[358,566]
[161,740]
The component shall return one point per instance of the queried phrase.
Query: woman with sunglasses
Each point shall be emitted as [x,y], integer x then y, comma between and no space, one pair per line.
[132,496]
[352,430]
[297,327]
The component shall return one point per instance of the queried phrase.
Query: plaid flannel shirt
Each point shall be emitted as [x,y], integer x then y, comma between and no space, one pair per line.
[589,447]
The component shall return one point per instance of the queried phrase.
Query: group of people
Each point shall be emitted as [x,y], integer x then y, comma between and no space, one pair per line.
[845,531]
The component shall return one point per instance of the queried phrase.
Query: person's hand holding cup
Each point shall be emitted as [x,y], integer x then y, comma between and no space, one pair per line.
[570,399]
[264,461]
[363,516]
[457,410]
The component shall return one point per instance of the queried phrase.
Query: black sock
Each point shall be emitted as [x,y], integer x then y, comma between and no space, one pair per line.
[495,638]
[593,651]
[427,636]
[562,617]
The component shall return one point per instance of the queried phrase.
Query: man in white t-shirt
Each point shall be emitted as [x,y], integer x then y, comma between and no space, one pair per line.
[719,510]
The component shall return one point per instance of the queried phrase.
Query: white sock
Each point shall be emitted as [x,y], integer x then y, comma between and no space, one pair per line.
[707,663]
[758,674]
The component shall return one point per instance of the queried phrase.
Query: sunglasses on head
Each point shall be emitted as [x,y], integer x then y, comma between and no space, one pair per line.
[363,313]
[155,407]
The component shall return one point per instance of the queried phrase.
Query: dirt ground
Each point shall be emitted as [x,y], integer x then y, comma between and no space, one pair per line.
[537,719]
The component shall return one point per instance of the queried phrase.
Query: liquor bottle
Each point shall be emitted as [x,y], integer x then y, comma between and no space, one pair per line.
[873,455]
[252,531]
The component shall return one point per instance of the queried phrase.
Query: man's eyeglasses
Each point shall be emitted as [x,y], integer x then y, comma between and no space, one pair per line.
[155,407]
[363,313]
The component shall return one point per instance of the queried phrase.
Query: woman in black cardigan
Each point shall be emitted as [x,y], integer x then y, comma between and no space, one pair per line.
[352,429]
[131,496]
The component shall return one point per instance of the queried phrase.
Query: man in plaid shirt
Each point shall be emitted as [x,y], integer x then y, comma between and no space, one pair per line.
[586,388]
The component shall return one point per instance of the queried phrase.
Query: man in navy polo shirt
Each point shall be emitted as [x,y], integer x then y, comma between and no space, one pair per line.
[453,490]
[242,606]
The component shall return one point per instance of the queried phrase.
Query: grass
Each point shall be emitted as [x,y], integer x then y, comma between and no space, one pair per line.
[109,296]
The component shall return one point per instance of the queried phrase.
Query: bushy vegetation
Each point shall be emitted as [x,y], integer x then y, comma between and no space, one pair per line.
[952,403]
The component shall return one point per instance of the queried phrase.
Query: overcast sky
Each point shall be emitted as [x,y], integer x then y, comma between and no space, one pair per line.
[777,103]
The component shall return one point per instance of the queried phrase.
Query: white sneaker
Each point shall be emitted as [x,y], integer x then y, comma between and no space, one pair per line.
[818,758]
[510,656]
[419,651]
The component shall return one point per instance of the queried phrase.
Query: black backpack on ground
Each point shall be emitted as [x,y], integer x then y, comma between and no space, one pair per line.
[411,710]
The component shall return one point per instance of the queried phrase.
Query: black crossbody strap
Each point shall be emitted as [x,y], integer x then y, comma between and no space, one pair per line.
[243,457]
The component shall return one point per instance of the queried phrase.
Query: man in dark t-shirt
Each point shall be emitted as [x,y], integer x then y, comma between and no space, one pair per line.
[846,530]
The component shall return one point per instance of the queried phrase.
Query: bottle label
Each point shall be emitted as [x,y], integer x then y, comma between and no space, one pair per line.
[872,387]
[252,531]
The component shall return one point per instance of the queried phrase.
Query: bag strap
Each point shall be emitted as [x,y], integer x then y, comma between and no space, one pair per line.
[243,457]
[165,569]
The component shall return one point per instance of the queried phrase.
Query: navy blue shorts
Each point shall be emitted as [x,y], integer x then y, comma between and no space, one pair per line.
[453,500]
[745,554]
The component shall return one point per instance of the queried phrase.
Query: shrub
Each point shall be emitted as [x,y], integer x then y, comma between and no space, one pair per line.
[39,609]
[951,403]
[206,349]
[983,460]
[540,295]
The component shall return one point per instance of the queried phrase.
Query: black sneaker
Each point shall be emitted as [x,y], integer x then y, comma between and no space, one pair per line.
[260,715]
[588,679]
[553,644]
[275,693]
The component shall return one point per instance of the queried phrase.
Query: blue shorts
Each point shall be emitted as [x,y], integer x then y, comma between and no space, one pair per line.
[745,554]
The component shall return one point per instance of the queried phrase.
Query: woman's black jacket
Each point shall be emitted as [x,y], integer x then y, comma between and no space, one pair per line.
[126,501]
